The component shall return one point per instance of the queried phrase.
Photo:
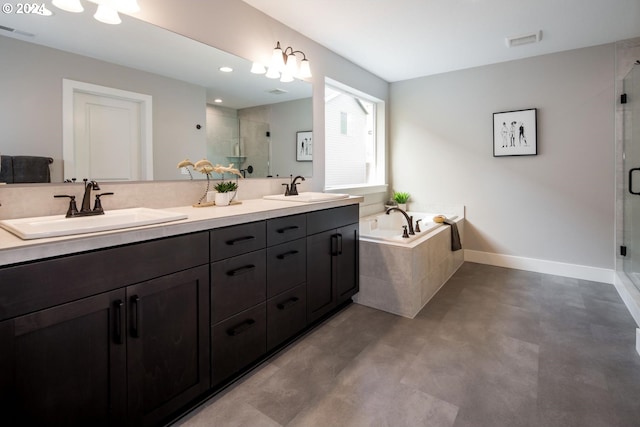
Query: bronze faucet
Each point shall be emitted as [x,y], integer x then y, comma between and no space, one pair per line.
[408,218]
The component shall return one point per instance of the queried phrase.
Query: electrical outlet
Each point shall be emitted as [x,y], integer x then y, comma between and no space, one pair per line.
[184,171]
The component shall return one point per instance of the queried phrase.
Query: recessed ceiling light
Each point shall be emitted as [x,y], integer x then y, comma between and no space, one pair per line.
[226,69]
[217,100]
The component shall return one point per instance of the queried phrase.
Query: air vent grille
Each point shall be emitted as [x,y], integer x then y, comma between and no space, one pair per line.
[14,31]
[277,91]
[523,39]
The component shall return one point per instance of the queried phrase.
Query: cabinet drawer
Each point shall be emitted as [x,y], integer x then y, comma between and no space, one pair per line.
[238,239]
[285,229]
[237,283]
[237,342]
[286,266]
[327,219]
[286,315]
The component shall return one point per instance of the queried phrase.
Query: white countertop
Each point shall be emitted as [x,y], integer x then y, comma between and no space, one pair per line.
[14,250]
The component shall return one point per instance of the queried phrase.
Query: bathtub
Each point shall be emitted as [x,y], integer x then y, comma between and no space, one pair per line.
[400,275]
[389,228]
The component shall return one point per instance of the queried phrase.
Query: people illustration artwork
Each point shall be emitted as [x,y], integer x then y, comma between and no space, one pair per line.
[509,134]
[515,133]
[305,147]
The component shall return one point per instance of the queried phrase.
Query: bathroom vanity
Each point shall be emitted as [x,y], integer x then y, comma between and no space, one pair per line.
[144,323]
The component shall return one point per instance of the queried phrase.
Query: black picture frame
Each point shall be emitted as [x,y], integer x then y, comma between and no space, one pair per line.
[515,133]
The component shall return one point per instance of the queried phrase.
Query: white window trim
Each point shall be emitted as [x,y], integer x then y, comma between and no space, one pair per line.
[381,144]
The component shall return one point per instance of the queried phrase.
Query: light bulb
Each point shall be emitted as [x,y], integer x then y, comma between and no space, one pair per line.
[277,59]
[107,15]
[305,69]
[286,77]
[272,73]
[258,68]
[292,65]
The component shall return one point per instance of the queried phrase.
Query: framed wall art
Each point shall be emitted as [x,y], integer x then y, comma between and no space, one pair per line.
[304,146]
[515,133]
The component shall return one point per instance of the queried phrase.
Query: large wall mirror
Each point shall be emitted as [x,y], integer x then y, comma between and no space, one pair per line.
[59,68]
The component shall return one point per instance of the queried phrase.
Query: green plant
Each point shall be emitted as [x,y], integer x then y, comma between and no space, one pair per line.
[401,197]
[225,186]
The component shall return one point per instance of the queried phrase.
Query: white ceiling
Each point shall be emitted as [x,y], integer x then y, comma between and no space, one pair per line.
[403,39]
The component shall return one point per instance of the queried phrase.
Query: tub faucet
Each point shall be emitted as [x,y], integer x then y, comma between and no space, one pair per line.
[408,218]
[293,189]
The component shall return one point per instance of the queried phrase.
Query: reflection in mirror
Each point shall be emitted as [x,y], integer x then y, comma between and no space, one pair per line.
[254,126]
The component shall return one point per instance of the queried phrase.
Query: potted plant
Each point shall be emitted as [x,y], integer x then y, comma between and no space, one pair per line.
[401,199]
[225,191]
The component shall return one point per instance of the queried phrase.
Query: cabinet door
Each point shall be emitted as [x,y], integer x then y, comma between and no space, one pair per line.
[168,356]
[347,262]
[321,297]
[66,365]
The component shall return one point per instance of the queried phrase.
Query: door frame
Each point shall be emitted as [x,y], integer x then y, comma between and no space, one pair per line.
[71,87]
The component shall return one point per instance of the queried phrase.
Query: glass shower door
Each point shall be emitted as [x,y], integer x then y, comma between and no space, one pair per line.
[631,263]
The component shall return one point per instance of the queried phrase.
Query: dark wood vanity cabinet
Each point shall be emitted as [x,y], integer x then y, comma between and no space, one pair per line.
[132,335]
[131,355]
[332,259]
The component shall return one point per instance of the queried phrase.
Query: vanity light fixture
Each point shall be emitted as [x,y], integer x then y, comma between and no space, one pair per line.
[284,65]
[107,11]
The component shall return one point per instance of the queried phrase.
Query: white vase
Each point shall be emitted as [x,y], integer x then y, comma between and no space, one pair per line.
[223,199]
[402,206]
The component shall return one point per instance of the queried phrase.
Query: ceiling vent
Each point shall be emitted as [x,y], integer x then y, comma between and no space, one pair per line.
[14,31]
[277,91]
[523,39]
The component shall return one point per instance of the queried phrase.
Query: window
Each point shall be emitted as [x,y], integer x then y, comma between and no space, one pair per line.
[353,155]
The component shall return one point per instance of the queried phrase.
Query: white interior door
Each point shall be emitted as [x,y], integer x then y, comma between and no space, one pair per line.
[108,137]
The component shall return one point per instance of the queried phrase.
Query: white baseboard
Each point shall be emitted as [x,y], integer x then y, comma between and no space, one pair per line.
[541,266]
[631,297]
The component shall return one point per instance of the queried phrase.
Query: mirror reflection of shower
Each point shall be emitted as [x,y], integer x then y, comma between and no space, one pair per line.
[232,138]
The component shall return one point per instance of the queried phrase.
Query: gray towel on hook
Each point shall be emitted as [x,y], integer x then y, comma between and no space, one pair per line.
[31,169]
[456,245]
[6,169]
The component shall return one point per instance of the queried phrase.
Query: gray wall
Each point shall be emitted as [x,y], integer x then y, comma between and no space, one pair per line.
[558,205]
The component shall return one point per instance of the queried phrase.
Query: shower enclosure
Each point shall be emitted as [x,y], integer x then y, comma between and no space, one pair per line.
[631,128]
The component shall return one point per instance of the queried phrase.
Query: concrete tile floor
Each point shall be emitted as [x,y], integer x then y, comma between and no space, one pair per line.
[495,347]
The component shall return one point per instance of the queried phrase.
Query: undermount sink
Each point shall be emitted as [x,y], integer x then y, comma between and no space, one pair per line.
[308,197]
[59,225]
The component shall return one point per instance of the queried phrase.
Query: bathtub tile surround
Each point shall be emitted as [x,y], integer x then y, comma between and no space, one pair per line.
[495,347]
[402,278]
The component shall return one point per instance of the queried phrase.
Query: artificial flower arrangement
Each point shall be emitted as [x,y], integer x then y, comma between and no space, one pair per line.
[205,167]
